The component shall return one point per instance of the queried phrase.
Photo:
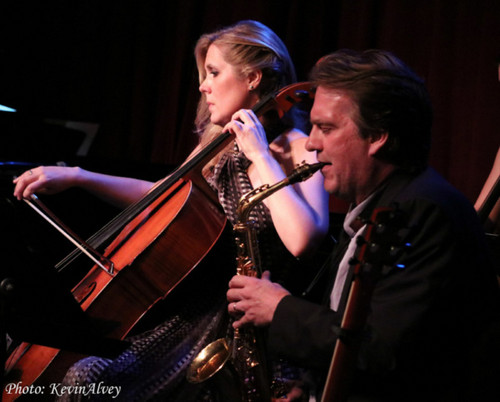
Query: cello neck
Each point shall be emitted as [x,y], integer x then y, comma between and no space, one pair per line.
[281,101]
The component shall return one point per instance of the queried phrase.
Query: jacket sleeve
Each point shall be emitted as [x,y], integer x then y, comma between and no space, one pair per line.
[303,332]
[415,312]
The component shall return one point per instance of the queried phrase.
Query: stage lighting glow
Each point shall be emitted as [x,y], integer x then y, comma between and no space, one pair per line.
[6,109]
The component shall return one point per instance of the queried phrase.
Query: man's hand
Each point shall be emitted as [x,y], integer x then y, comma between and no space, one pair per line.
[253,300]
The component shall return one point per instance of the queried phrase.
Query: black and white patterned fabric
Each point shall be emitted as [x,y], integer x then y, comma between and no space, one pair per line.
[231,181]
[154,367]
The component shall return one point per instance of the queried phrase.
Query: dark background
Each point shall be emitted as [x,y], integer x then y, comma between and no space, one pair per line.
[129,66]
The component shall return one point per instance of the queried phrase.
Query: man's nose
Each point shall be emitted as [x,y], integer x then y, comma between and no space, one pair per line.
[312,143]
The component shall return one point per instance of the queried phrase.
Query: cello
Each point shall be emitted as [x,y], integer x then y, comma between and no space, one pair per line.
[155,249]
[378,248]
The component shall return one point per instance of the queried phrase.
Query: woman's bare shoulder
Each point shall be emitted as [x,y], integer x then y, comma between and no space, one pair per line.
[290,148]
[290,138]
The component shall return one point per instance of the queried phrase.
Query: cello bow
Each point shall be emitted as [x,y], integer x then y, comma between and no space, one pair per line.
[154,251]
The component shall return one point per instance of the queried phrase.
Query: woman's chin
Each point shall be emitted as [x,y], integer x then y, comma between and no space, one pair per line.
[215,120]
[219,122]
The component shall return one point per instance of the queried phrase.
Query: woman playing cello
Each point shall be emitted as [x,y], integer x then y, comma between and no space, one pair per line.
[238,66]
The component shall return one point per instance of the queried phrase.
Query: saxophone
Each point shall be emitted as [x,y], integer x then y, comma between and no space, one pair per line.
[245,351]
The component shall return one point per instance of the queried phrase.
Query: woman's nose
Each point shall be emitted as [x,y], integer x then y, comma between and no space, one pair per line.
[203,87]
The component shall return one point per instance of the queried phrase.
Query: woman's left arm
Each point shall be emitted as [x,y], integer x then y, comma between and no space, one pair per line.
[299,212]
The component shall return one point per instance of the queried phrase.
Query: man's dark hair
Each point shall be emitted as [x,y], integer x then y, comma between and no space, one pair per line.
[390,98]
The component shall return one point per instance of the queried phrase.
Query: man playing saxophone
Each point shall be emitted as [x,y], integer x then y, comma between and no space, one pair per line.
[371,122]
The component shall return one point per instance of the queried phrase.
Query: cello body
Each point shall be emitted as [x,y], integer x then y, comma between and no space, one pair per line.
[158,247]
[151,255]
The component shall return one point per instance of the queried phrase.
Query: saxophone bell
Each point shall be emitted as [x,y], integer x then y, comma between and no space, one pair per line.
[245,352]
[209,361]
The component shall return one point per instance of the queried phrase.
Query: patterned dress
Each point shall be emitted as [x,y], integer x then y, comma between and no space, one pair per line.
[194,314]
[231,181]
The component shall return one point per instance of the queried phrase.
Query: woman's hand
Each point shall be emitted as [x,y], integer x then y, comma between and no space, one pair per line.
[299,212]
[44,180]
[249,134]
[253,300]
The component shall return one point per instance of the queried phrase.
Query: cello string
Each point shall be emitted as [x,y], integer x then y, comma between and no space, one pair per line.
[36,205]
[281,100]
[128,214]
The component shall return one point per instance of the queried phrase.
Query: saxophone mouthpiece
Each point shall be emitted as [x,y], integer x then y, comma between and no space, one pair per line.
[318,166]
[304,171]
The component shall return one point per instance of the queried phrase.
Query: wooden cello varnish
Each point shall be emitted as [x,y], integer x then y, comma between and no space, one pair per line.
[153,253]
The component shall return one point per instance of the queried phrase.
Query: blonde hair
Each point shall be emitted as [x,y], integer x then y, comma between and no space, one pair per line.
[248,46]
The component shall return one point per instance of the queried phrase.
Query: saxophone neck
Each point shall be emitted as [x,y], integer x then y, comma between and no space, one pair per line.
[302,172]
[254,197]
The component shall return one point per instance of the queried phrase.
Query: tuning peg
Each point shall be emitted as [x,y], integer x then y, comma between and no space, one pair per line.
[302,94]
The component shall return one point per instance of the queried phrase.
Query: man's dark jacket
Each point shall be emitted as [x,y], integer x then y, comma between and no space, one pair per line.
[423,319]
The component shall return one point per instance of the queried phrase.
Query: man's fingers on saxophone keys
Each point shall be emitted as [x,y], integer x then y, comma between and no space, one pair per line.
[241,322]
[235,309]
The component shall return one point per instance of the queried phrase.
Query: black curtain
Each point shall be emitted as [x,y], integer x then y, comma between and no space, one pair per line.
[129,66]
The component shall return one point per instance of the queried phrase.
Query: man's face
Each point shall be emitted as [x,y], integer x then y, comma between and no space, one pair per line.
[335,138]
